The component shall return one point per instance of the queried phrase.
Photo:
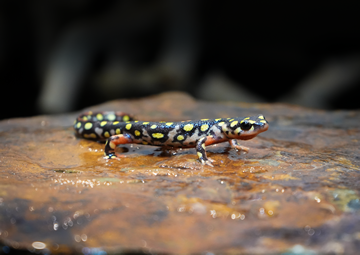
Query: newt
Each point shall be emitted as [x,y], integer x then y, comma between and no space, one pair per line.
[118,128]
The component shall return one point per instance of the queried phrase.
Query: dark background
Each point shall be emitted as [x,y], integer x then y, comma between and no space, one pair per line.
[63,55]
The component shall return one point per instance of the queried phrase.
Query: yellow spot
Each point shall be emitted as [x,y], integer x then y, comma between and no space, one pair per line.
[203,146]
[99,116]
[85,118]
[153,126]
[204,127]
[78,125]
[112,145]
[224,128]
[118,131]
[231,120]
[218,119]
[169,123]
[103,123]
[144,142]
[115,122]
[261,117]
[113,156]
[106,134]
[238,130]
[136,121]
[92,135]
[204,119]
[221,123]
[126,118]
[88,126]
[188,127]
[137,133]
[74,122]
[263,121]
[158,135]
[111,117]
[144,123]
[180,137]
[199,155]
[234,123]
[128,126]
[252,121]
[251,129]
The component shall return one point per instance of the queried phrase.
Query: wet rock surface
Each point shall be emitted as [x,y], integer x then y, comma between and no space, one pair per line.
[297,190]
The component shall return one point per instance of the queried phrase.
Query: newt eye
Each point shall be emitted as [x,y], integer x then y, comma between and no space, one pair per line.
[245,125]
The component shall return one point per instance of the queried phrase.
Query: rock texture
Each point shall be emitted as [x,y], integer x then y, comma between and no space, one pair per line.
[297,190]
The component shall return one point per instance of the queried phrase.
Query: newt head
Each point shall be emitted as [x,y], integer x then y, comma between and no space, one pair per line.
[245,128]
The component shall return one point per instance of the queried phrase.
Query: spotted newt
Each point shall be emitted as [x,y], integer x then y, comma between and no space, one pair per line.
[121,128]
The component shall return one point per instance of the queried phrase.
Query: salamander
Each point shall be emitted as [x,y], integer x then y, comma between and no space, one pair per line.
[120,128]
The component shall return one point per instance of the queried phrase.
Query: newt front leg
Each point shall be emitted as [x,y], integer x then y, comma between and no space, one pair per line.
[235,145]
[201,152]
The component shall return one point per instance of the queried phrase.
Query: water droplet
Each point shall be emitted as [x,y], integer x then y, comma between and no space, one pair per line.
[77,238]
[56,226]
[38,245]
[213,213]
[84,237]
[311,232]
[181,209]
[76,214]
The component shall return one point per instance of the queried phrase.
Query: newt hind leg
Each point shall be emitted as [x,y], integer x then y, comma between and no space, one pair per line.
[114,141]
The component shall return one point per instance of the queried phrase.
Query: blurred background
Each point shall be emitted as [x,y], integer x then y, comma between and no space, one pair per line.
[63,55]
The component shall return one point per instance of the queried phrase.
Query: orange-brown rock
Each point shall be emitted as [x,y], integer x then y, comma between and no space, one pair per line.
[297,190]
